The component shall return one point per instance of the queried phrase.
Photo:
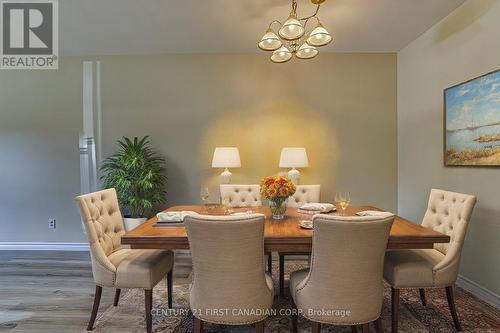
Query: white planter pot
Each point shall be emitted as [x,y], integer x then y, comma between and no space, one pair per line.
[132,223]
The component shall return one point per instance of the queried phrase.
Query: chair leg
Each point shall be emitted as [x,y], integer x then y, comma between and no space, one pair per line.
[378,325]
[95,308]
[282,274]
[453,310]
[259,327]
[117,297]
[148,298]
[354,329]
[395,309]
[365,328]
[422,296]
[316,327]
[198,325]
[295,317]
[170,281]
[270,263]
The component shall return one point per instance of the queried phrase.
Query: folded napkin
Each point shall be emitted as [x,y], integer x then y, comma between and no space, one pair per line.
[317,207]
[174,216]
[374,213]
[248,212]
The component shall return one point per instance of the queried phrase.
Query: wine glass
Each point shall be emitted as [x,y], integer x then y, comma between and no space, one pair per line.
[226,206]
[343,199]
[204,195]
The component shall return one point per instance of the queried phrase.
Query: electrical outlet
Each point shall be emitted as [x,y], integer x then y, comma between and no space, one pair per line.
[52,223]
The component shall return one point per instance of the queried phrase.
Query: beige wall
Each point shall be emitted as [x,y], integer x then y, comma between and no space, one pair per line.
[40,118]
[462,46]
[341,107]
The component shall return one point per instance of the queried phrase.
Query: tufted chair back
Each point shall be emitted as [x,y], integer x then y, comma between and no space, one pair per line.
[449,213]
[228,270]
[241,195]
[103,222]
[304,194]
[346,268]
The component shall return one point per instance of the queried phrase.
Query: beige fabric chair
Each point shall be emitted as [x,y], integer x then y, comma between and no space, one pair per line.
[241,195]
[114,266]
[304,194]
[228,271]
[448,213]
[345,274]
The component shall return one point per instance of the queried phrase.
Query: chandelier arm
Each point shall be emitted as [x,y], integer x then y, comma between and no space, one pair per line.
[310,16]
[294,7]
[275,21]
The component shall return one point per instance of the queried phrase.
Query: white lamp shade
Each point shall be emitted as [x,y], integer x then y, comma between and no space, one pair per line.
[319,36]
[226,157]
[292,29]
[306,51]
[270,41]
[293,158]
[281,55]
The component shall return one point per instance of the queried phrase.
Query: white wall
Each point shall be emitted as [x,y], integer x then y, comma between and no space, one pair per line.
[464,45]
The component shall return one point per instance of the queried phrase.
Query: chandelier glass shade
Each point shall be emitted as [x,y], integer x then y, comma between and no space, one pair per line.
[293,38]
[270,41]
[319,36]
[281,55]
[306,51]
[292,29]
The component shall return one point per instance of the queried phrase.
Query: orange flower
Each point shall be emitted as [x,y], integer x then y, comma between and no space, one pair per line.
[268,181]
[276,186]
[271,192]
[283,191]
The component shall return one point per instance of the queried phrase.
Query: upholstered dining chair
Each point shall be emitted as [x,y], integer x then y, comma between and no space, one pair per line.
[345,276]
[228,272]
[448,213]
[243,195]
[303,194]
[114,266]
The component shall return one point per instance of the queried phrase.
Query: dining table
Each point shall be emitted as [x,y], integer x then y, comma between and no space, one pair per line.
[284,236]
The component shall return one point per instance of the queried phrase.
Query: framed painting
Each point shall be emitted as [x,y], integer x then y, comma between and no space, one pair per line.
[472,122]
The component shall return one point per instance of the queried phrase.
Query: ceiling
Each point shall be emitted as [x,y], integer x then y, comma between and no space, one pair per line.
[104,27]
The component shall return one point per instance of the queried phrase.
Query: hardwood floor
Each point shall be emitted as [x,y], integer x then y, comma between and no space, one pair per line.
[52,291]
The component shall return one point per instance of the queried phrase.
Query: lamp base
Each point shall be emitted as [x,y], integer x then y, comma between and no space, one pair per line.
[294,176]
[225,176]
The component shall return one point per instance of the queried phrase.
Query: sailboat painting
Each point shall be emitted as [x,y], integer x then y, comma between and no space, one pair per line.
[472,122]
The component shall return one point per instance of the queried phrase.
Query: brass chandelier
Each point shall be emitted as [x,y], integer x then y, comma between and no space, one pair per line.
[292,37]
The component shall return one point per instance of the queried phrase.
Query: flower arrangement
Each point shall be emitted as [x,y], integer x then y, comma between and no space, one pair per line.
[277,189]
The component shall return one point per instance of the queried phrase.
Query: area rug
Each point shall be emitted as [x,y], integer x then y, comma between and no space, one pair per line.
[475,315]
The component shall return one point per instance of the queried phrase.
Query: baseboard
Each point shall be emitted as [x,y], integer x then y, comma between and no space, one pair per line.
[44,246]
[479,291]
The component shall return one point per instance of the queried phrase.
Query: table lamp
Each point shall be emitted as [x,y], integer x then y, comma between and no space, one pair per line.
[226,157]
[293,158]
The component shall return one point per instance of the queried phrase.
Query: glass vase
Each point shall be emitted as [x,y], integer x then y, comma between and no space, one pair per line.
[278,209]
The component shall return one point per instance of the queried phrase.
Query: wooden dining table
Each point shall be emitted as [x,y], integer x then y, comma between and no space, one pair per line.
[279,235]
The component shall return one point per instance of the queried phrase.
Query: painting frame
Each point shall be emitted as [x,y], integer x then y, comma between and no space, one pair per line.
[447,161]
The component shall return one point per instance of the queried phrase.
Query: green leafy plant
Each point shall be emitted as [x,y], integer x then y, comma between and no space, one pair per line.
[138,175]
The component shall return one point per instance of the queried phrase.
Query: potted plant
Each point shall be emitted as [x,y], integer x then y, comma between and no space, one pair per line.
[138,175]
[277,190]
